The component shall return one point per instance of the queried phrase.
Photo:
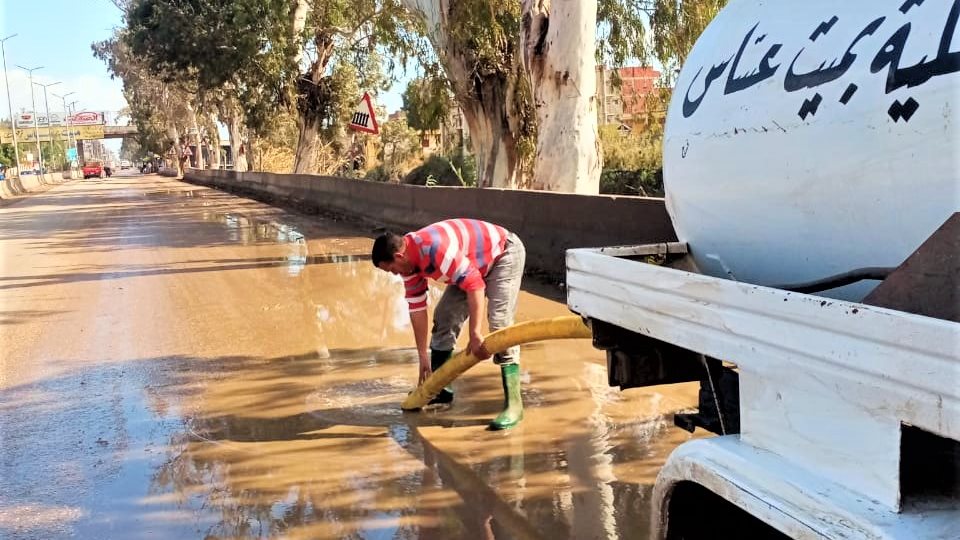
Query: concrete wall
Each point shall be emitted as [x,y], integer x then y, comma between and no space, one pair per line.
[14,187]
[548,223]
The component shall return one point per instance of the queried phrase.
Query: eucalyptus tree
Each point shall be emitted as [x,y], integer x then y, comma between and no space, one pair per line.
[524,75]
[161,111]
[427,102]
[276,54]
[676,25]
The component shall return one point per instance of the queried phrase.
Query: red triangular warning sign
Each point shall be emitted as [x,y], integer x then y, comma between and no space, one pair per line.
[364,119]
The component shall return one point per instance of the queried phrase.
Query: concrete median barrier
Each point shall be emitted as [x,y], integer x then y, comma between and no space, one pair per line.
[549,223]
[11,188]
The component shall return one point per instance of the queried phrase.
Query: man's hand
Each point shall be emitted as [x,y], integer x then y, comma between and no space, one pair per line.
[476,347]
[425,370]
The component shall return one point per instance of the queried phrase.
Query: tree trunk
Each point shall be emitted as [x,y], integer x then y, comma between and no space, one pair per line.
[308,123]
[233,126]
[559,39]
[195,130]
[234,122]
[253,155]
[310,100]
[214,144]
[491,141]
[488,99]
[298,22]
[308,144]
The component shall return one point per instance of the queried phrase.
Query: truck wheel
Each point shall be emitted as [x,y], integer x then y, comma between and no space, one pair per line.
[696,513]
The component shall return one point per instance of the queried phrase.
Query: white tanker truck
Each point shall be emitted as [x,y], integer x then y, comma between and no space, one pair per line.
[812,174]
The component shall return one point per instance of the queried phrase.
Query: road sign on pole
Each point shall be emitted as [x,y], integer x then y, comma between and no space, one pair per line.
[364,119]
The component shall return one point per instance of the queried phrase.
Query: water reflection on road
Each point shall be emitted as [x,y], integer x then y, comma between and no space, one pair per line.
[229,370]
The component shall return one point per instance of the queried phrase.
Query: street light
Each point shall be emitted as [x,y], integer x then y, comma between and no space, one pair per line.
[72,110]
[33,102]
[13,124]
[46,107]
[66,111]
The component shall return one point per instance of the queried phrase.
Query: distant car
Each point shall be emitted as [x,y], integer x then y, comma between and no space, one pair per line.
[125,164]
[92,169]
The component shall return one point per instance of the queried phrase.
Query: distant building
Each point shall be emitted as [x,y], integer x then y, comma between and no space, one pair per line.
[626,104]
[92,150]
[452,133]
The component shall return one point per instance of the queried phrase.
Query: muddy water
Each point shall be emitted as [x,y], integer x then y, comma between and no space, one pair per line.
[182,363]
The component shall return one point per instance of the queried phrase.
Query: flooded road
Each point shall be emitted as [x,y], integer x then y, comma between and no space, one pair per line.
[179,362]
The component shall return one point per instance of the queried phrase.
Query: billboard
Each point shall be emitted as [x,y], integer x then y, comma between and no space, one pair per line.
[83,118]
[25,119]
[28,135]
[86,118]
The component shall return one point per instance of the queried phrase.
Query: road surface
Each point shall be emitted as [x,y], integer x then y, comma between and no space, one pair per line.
[178,362]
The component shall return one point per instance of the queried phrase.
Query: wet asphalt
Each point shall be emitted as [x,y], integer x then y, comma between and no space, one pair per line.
[178,362]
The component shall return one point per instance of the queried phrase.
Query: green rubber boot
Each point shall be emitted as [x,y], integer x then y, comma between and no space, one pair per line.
[512,401]
[437,359]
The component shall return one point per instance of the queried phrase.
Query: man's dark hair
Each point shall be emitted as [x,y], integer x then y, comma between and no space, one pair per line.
[385,247]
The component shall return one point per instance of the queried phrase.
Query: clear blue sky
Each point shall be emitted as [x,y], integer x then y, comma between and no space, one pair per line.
[62,47]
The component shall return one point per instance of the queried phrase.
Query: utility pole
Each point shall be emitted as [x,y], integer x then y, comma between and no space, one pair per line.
[33,101]
[46,107]
[66,111]
[13,123]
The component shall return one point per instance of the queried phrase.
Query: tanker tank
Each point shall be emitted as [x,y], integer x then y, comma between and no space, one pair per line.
[811,139]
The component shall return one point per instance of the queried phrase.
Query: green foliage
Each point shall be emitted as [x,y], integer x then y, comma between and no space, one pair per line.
[488,31]
[465,167]
[467,164]
[332,100]
[154,105]
[208,40]
[400,149]
[241,48]
[676,25]
[131,149]
[526,115]
[485,34]
[377,174]
[457,170]
[247,48]
[427,102]
[632,161]
[644,183]
[7,155]
[54,153]
[621,32]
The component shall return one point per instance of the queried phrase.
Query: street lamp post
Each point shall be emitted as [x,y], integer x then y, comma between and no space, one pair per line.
[33,102]
[46,108]
[13,123]
[72,109]
[66,111]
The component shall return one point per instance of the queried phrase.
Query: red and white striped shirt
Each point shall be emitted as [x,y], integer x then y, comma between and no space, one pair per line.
[457,251]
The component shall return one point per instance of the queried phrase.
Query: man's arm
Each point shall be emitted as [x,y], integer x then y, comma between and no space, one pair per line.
[475,308]
[418,319]
[416,287]
[466,276]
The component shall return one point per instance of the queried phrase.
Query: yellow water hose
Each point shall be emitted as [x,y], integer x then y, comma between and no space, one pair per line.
[569,327]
